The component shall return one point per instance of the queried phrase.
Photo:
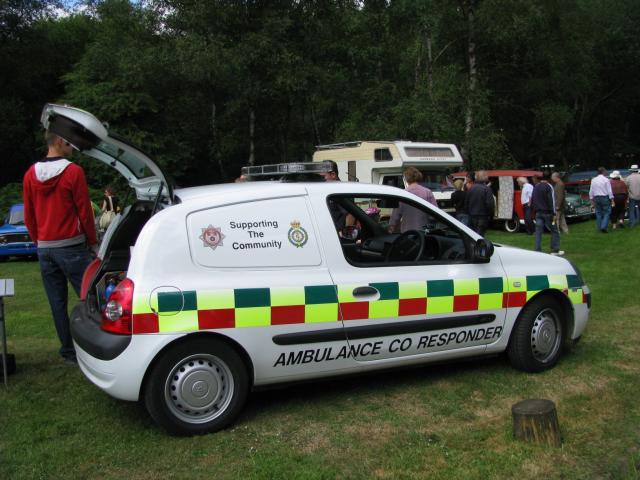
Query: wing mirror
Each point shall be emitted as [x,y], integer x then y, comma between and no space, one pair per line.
[482,250]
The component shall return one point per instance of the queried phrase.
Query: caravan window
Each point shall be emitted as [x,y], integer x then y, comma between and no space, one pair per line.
[428,152]
[382,155]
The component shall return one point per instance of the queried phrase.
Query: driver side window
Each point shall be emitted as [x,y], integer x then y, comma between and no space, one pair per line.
[392,231]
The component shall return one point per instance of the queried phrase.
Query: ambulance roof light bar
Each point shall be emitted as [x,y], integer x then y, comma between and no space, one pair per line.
[284,170]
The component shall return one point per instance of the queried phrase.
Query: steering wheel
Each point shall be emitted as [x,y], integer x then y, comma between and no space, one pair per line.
[407,247]
[453,253]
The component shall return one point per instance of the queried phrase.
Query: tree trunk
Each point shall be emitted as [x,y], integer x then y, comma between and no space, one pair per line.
[468,8]
[252,128]
[536,421]
[316,131]
[214,147]
[429,64]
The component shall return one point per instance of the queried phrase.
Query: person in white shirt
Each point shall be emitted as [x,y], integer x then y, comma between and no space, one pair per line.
[525,198]
[601,197]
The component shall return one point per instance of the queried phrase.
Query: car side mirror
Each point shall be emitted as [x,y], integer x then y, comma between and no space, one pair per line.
[482,250]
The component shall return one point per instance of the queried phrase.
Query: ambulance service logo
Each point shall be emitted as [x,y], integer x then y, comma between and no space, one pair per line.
[297,235]
[212,237]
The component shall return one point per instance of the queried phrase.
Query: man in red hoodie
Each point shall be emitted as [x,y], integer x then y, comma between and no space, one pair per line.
[58,215]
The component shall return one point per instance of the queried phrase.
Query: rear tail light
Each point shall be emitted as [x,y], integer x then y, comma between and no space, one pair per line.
[88,276]
[116,316]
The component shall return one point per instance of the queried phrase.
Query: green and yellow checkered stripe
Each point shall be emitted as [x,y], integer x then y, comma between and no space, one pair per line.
[260,307]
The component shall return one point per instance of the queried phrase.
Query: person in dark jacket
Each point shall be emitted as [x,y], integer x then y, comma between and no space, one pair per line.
[457,198]
[543,202]
[479,203]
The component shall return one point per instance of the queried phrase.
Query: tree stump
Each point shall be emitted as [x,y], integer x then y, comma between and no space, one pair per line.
[536,421]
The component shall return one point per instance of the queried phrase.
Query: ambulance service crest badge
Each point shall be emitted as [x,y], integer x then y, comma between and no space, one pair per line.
[297,235]
[212,237]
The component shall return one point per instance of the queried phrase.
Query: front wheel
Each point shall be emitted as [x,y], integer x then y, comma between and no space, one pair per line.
[197,387]
[513,224]
[537,337]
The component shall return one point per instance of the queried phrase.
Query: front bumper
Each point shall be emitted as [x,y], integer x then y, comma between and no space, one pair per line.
[581,314]
[18,250]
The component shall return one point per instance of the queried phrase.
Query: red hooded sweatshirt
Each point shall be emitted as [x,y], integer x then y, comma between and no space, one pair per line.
[57,209]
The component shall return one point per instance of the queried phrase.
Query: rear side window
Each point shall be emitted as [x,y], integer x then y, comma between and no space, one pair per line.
[266,233]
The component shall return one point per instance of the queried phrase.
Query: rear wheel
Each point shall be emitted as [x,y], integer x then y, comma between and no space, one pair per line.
[197,387]
[537,337]
[513,224]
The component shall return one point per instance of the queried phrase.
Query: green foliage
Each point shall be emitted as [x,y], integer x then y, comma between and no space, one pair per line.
[9,195]
[556,82]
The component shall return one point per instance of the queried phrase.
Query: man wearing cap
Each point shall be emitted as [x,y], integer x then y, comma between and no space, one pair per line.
[633,184]
[58,215]
[601,197]
[620,195]
[338,214]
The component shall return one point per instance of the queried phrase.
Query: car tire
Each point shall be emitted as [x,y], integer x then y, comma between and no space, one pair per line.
[197,387]
[537,337]
[513,224]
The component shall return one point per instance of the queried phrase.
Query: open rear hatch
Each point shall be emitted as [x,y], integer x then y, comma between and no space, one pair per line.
[153,191]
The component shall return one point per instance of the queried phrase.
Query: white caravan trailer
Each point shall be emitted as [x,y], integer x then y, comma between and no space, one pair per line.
[382,162]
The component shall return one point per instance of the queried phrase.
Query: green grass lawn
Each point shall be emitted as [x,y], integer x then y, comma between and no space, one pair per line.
[451,421]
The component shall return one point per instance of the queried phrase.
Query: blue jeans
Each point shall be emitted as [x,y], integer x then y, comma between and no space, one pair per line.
[528,222]
[603,211]
[57,266]
[634,212]
[479,224]
[463,218]
[546,220]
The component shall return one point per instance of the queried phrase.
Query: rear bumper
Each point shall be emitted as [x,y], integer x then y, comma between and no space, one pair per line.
[115,363]
[86,332]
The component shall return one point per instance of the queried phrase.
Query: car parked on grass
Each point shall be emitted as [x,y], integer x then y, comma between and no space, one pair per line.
[14,237]
[200,294]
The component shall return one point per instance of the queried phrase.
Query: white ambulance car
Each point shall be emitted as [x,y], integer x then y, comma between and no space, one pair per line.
[223,288]
[382,163]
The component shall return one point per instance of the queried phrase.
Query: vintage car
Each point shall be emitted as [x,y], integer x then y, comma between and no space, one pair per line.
[220,289]
[14,238]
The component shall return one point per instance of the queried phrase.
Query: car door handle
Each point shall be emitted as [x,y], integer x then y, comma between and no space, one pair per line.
[367,291]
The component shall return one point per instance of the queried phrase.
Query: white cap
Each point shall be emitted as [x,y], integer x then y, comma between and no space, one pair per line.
[614,174]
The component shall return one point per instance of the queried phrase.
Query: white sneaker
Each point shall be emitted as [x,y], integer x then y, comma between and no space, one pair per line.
[559,253]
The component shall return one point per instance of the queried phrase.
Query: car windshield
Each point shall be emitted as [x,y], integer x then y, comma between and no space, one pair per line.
[16,216]
[581,176]
[436,181]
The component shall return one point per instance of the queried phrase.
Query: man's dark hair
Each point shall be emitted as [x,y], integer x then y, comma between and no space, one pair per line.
[546,174]
[50,138]
[602,170]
